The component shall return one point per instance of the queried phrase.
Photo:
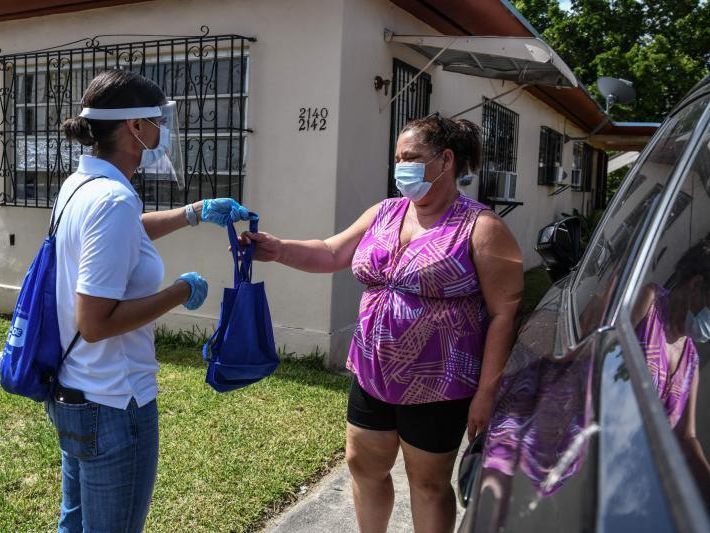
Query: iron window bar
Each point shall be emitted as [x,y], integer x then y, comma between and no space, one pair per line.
[550,156]
[413,104]
[207,75]
[498,184]
[582,165]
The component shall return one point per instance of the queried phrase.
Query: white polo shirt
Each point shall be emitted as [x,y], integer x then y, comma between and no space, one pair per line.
[104,251]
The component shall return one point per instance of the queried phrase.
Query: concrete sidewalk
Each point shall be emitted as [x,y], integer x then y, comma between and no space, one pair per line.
[328,506]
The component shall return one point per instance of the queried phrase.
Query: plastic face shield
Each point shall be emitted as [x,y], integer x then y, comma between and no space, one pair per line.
[164,162]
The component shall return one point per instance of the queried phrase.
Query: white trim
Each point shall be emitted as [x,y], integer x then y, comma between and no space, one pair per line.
[621,160]
[125,113]
[526,53]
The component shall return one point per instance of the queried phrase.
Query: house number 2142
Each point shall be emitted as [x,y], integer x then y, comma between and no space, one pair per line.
[312,119]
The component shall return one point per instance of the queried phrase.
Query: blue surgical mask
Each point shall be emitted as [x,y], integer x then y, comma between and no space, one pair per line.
[697,325]
[409,178]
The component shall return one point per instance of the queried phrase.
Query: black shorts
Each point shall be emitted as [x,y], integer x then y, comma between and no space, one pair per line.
[435,427]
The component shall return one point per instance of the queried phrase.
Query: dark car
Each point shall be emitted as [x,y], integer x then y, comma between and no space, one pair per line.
[602,422]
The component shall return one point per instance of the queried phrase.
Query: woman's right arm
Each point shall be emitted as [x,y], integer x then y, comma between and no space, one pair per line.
[100,318]
[317,256]
[109,251]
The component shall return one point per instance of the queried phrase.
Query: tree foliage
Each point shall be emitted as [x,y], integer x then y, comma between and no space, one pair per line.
[662,46]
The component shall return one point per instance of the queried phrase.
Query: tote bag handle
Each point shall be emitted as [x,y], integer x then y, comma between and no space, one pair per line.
[242,255]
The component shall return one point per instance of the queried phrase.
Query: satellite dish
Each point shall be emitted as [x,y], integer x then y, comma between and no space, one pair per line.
[616,90]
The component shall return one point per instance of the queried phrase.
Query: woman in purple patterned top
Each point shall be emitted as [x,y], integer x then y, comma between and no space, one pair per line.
[442,278]
[670,323]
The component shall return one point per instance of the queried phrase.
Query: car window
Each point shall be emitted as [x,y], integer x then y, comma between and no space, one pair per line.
[613,244]
[671,316]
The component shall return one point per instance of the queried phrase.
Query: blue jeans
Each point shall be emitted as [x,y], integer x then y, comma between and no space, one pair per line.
[109,463]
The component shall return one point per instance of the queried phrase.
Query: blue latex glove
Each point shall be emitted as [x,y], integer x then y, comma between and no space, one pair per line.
[223,211]
[198,289]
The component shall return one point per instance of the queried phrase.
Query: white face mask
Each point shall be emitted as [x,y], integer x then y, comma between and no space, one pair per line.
[151,156]
[697,326]
[409,178]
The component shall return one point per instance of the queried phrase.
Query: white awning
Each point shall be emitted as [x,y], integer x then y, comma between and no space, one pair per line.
[523,60]
[621,160]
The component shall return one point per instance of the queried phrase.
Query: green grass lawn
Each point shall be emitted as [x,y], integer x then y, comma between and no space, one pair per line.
[537,282]
[227,461]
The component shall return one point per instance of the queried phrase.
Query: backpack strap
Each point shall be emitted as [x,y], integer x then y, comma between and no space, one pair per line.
[53,379]
[54,225]
[52,232]
[71,345]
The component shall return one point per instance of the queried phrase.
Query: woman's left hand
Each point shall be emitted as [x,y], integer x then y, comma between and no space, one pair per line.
[223,211]
[479,412]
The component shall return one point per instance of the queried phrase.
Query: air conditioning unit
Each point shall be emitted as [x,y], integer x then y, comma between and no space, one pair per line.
[576,177]
[560,175]
[506,182]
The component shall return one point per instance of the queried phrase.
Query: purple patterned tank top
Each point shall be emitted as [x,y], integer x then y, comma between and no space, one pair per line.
[422,324]
[673,385]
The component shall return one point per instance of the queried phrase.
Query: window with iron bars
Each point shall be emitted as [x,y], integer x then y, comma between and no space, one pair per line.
[412,104]
[550,157]
[581,179]
[207,76]
[500,153]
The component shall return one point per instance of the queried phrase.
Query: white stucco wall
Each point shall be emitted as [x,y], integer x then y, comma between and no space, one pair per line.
[290,175]
[317,53]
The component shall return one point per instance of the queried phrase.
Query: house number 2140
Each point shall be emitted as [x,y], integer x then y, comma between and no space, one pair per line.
[312,119]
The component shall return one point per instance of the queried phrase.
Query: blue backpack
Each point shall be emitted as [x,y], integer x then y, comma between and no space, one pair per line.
[32,355]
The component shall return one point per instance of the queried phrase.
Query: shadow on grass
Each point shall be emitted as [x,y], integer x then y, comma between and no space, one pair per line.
[537,283]
[307,370]
[182,355]
[311,373]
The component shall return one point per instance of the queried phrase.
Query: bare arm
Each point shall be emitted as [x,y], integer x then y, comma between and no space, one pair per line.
[100,318]
[159,223]
[318,256]
[689,443]
[499,265]
[643,304]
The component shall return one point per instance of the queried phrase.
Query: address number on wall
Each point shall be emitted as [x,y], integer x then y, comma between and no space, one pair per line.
[312,119]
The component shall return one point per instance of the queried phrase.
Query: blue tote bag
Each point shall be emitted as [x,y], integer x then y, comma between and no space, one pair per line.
[241,351]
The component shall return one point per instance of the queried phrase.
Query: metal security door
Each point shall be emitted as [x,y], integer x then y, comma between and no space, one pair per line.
[412,103]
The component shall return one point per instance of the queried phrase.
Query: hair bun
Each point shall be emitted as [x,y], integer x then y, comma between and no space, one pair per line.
[78,129]
[471,142]
[461,136]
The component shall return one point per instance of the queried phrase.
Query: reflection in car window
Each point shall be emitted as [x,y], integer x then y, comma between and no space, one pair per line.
[671,315]
[609,252]
[539,432]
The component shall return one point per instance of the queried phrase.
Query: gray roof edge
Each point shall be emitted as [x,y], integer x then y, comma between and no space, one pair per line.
[518,15]
[636,124]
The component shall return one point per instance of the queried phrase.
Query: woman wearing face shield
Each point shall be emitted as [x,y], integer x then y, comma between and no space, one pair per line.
[443,281]
[108,297]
